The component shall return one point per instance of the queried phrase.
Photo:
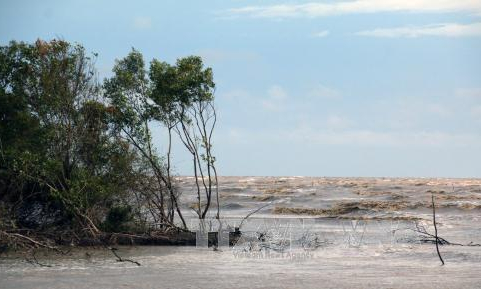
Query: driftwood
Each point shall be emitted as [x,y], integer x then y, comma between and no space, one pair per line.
[120,259]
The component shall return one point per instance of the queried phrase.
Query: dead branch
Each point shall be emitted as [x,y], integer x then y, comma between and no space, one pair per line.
[34,261]
[253,212]
[29,242]
[120,259]
[436,230]
[427,237]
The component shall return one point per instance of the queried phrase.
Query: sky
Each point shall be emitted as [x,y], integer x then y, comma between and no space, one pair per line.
[303,88]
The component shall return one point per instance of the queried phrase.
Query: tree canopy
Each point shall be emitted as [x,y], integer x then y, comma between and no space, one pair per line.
[77,153]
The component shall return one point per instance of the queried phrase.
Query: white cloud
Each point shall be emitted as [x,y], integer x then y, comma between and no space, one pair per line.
[336,122]
[313,9]
[468,93]
[324,92]
[276,98]
[277,92]
[321,34]
[236,95]
[142,22]
[439,109]
[444,29]
[361,138]
[476,112]
[394,139]
[385,139]
[410,113]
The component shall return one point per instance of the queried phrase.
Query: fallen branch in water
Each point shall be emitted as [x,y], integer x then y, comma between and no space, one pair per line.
[31,244]
[34,261]
[430,238]
[28,241]
[120,259]
[427,237]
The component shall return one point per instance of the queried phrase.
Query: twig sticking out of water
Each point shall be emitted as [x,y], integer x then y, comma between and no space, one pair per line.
[436,230]
[253,212]
[120,259]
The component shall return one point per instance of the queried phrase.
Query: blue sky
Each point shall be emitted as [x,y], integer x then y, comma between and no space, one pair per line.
[328,88]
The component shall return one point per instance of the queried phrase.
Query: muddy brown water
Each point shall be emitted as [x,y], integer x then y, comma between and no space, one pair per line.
[367,244]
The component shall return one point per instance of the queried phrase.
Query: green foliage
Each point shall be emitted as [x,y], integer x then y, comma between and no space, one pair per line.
[55,132]
[176,87]
[128,95]
[80,150]
[117,219]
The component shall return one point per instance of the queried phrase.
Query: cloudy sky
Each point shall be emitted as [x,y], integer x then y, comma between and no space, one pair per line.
[328,88]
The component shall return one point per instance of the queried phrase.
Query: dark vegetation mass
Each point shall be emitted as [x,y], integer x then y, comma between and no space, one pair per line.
[76,154]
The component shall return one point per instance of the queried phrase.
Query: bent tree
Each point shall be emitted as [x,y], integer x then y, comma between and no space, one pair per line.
[184,92]
[129,94]
[180,97]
